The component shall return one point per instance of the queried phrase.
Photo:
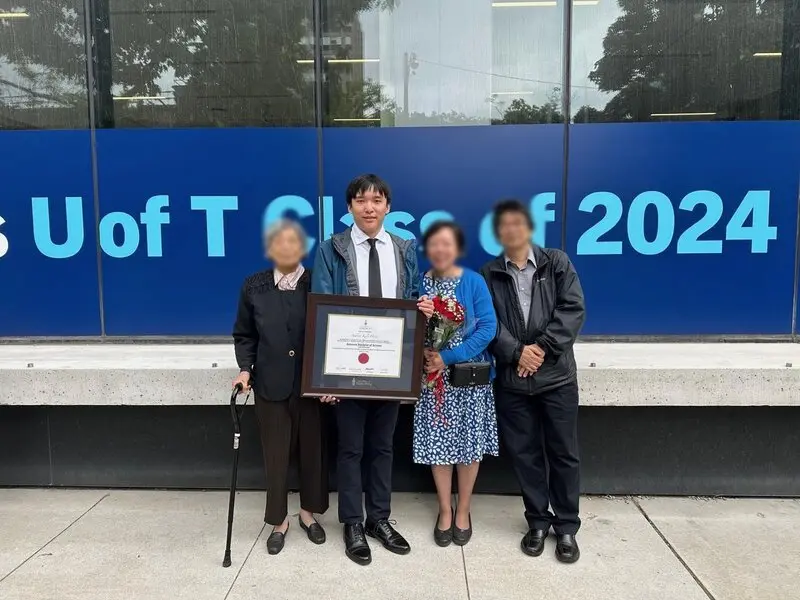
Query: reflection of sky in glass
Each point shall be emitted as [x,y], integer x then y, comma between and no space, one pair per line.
[589,27]
[472,58]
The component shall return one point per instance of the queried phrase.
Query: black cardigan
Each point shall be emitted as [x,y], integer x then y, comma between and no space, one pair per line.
[268,334]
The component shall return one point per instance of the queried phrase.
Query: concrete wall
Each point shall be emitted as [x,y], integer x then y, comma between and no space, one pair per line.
[677,419]
[644,374]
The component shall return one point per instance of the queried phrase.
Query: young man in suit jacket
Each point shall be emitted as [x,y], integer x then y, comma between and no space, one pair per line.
[366,260]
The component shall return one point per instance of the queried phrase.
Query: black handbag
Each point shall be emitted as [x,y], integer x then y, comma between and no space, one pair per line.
[470,374]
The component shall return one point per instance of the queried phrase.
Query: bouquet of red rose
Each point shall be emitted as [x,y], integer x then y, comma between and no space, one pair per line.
[448,317]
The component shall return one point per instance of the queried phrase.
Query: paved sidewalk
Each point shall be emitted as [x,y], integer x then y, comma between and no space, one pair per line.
[164,545]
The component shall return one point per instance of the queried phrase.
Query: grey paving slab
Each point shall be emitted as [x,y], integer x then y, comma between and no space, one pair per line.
[304,571]
[622,557]
[164,544]
[31,518]
[143,545]
[741,549]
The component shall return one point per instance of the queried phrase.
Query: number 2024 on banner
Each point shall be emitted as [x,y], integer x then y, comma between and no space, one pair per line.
[753,208]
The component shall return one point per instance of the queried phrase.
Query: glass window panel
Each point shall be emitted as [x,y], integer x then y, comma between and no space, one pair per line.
[43,65]
[225,63]
[421,63]
[656,60]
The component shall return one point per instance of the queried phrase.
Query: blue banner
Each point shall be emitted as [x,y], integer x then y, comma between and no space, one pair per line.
[452,173]
[685,228]
[674,228]
[182,219]
[48,268]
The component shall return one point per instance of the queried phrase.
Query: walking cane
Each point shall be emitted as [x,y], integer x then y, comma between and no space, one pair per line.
[236,415]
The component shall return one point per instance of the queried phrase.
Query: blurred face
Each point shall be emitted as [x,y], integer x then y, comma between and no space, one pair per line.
[513,231]
[286,250]
[442,250]
[369,209]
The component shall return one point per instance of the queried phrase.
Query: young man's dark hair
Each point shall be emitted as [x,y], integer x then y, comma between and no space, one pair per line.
[434,228]
[366,183]
[511,205]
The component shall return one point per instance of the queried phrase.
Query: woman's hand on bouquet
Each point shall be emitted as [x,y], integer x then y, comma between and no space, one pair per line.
[425,306]
[433,361]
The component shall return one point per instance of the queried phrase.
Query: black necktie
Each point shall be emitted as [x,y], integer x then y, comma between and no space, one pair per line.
[374,271]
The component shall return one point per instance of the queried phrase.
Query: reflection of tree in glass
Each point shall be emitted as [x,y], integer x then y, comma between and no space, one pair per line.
[43,65]
[692,56]
[185,62]
[242,62]
[588,114]
[234,64]
[519,112]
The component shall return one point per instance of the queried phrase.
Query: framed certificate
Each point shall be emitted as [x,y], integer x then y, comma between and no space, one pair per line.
[363,348]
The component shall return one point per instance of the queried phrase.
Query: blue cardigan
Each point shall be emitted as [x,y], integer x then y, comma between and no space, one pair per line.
[480,322]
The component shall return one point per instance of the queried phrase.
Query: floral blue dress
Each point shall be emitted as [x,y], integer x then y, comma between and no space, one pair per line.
[464,429]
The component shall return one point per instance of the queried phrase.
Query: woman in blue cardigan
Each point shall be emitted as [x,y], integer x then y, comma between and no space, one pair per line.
[459,426]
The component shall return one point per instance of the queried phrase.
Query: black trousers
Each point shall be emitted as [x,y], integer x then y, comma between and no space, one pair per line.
[293,428]
[364,462]
[541,431]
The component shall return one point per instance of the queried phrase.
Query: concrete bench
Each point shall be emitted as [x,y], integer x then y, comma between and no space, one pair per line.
[610,374]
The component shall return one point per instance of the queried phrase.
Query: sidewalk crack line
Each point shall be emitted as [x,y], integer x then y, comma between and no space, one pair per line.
[672,549]
[52,539]
[246,558]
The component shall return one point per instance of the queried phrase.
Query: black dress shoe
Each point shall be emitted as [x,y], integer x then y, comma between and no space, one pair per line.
[355,544]
[443,537]
[275,542]
[315,532]
[533,542]
[386,534]
[567,550]
[462,536]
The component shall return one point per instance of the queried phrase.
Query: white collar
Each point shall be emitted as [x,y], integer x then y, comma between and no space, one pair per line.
[359,237]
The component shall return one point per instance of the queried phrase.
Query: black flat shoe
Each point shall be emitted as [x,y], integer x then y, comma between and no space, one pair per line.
[388,536]
[356,547]
[275,542]
[462,536]
[315,532]
[443,537]
[533,542]
[567,550]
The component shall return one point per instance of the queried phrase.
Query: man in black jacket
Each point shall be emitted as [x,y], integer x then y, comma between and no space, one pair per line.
[540,310]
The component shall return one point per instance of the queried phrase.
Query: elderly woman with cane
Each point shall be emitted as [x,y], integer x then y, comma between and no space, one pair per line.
[268,340]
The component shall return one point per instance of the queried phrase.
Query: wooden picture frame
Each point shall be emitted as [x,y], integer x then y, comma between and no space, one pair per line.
[363,383]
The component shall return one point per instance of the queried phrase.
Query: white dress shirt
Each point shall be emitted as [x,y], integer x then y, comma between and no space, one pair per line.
[386,255]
